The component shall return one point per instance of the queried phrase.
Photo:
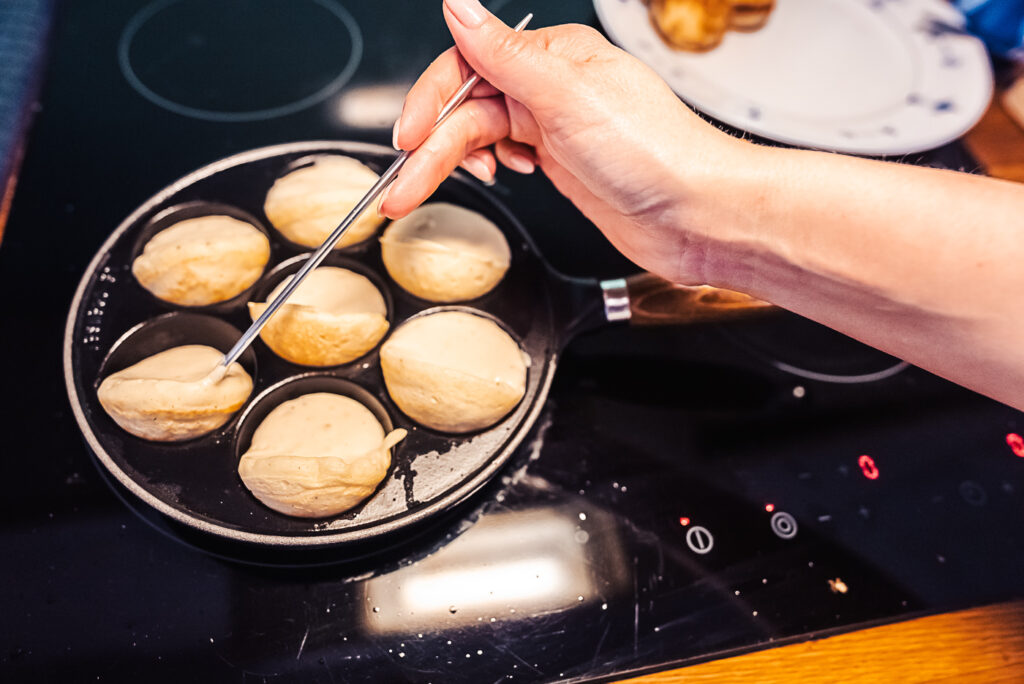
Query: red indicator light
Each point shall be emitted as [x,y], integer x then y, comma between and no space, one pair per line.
[684,521]
[1016,443]
[868,467]
[769,507]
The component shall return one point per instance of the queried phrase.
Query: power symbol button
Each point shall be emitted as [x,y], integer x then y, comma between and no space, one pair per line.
[699,539]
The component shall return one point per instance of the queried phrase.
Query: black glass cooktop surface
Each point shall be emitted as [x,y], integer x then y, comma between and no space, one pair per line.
[686,493]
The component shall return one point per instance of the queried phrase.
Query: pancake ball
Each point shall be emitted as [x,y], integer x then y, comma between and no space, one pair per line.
[202,261]
[307,204]
[317,455]
[333,317]
[170,397]
[445,253]
[453,371]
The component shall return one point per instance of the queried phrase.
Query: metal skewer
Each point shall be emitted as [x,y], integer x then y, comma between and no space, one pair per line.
[321,253]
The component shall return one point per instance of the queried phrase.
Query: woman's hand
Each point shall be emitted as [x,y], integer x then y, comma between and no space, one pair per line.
[605,129]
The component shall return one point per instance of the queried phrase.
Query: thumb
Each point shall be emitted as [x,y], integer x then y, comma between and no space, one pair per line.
[512,62]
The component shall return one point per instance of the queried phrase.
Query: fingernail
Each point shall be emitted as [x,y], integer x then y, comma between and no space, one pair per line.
[469,13]
[383,198]
[521,163]
[478,169]
[394,134]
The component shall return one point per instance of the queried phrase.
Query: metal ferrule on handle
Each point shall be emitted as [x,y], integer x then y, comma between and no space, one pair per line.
[321,253]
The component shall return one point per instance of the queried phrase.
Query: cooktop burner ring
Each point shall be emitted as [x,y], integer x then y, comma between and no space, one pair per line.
[806,349]
[841,379]
[179,105]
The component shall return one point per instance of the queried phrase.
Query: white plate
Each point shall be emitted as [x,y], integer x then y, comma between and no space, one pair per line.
[873,77]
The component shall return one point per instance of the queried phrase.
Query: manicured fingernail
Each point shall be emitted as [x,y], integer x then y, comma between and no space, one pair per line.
[394,134]
[478,169]
[469,13]
[521,163]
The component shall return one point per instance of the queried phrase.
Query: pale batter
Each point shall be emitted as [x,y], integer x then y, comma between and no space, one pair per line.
[445,253]
[453,371]
[169,396]
[335,316]
[307,204]
[317,455]
[202,260]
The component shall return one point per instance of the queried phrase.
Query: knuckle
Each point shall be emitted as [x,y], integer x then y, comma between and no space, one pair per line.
[579,44]
[507,47]
[471,128]
[569,36]
[434,148]
[584,32]
[458,136]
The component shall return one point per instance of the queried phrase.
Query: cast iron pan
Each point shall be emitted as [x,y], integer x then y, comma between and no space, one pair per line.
[114,322]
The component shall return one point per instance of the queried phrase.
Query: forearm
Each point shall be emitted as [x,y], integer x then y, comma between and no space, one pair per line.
[921,263]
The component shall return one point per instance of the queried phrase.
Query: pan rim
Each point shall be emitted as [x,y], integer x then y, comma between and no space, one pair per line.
[454,497]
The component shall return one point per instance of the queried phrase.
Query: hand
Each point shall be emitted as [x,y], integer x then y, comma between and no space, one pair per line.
[605,129]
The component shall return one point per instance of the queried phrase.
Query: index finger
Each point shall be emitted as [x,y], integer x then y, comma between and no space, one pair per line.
[427,96]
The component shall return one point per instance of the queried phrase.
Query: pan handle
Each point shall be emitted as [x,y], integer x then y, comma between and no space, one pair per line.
[646,299]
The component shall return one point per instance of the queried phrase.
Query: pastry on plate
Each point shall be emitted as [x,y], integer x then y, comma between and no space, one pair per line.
[307,204]
[750,15]
[317,455]
[203,260]
[453,371]
[695,25]
[445,253]
[170,397]
[333,317]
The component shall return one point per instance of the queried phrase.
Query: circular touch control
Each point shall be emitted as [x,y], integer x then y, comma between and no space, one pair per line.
[784,525]
[699,539]
[973,493]
[226,60]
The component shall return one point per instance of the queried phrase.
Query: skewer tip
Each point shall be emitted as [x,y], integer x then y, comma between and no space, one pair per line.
[522,24]
[218,373]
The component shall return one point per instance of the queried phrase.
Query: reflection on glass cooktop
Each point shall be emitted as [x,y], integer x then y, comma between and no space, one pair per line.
[684,495]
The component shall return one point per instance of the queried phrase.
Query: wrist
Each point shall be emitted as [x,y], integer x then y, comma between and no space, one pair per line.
[730,213]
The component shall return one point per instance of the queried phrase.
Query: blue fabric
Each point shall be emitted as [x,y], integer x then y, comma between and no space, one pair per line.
[1000,23]
[23,27]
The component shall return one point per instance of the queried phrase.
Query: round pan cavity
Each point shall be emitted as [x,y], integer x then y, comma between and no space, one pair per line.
[299,386]
[166,218]
[196,483]
[422,263]
[164,332]
[529,361]
[310,160]
[174,329]
[262,290]
[293,388]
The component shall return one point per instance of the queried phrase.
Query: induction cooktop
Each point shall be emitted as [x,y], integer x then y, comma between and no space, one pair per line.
[686,493]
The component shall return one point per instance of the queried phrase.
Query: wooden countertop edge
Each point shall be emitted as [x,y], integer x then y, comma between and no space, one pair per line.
[975,645]
[997,141]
